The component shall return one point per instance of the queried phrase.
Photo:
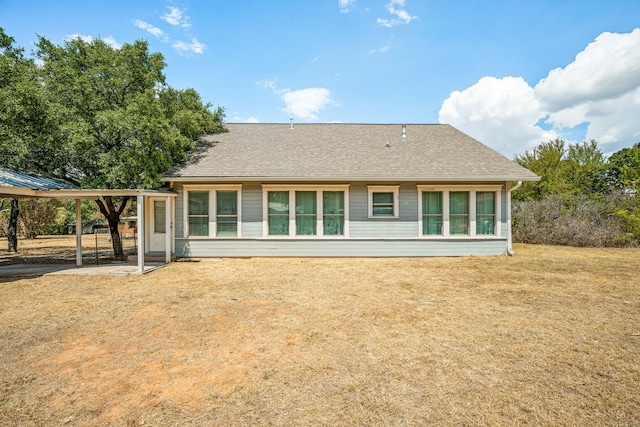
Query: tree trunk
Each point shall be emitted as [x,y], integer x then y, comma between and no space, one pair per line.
[116,241]
[12,230]
[112,214]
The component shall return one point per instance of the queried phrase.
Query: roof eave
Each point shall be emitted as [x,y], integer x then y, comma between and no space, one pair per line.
[79,193]
[346,179]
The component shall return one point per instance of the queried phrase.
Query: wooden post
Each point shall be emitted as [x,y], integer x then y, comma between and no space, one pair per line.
[168,231]
[78,232]
[141,233]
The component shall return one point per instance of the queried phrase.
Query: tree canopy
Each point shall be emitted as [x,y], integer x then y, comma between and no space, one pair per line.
[582,198]
[97,116]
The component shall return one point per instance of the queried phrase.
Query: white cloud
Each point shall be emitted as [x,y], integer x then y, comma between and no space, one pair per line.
[346,5]
[600,88]
[187,48]
[151,29]
[383,49]
[502,113]
[400,15]
[112,42]
[268,84]
[302,103]
[306,103]
[85,38]
[252,120]
[607,68]
[109,40]
[176,16]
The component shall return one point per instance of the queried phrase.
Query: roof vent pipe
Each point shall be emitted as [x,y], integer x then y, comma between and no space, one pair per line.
[404,131]
[291,120]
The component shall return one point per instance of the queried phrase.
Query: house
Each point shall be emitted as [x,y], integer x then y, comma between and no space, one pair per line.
[339,190]
[128,226]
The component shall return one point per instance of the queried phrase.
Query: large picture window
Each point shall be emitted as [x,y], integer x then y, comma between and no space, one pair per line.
[305,211]
[459,211]
[212,211]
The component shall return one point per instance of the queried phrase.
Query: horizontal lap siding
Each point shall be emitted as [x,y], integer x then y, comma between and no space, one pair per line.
[360,226]
[179,210]
[367,237]
[503,213]
[335,248]
[251,211]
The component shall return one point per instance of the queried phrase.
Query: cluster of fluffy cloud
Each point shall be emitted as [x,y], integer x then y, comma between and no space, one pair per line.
[396,9]
[400,15]
[175,17]
[601,89]
[306,103]
[302,104]
[88,39]
[346,5]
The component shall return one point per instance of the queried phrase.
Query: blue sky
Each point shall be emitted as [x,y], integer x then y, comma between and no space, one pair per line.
[509,73]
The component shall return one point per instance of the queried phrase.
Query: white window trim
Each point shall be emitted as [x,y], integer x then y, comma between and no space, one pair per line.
[292,214]
[395,189]
[213,226]
[472,210]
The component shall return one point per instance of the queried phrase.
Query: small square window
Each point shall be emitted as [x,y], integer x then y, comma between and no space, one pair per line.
[383,202]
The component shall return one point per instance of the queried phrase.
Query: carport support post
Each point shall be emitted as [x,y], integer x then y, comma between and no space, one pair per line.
[168,231]
[78,232]
[141,233]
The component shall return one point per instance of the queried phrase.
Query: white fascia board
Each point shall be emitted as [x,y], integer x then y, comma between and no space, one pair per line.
[202,179]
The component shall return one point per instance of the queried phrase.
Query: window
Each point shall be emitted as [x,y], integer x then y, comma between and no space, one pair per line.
[198,213]
[333,213]
[383,201]
[459,212]
[212,211]
[306,214]
[432,213]
[485,212]
[278,213]
[305,211]
[226,213]
[159,216]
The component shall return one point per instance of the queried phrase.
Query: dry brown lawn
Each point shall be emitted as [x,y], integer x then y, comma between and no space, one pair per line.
[548,337]
[57,248]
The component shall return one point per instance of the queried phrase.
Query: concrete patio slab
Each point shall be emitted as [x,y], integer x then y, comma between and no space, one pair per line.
[36,270]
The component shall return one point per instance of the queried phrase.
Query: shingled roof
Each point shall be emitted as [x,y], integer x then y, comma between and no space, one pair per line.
[347,152]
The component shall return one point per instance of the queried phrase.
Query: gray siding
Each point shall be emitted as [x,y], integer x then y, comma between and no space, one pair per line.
[503,213]
[360,226]
[251,211]
[337,248]
[367,237]
[179,210]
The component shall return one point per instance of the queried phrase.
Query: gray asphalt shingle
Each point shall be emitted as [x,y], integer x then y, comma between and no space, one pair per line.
[348,152]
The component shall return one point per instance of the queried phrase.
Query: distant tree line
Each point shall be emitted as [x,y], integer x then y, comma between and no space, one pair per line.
[582,199]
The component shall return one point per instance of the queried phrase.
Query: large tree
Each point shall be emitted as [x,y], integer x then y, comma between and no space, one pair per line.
[115,123]
[28,122]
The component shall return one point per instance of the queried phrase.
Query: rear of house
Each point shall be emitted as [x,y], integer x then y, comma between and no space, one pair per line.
[343,190]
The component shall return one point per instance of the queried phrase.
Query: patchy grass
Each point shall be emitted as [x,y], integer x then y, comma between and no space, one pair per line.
[548,337]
